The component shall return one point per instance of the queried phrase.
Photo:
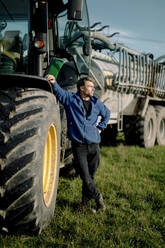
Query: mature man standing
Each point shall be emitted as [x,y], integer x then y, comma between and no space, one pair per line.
[82,111]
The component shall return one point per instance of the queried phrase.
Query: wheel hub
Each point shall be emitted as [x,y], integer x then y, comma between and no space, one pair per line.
[50,165]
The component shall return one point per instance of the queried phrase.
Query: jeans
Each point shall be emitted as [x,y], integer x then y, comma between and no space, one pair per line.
[86,161]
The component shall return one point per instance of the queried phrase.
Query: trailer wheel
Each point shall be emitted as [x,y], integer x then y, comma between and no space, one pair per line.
[109,135]
[130,130]
[160,137]
[146,128]
[129,135]
[29,159]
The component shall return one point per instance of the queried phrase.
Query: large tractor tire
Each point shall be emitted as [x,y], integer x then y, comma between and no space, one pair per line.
[160,136]
[146,128]
[29,159]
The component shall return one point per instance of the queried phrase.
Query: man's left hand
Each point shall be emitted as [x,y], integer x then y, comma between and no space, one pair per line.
[50,78]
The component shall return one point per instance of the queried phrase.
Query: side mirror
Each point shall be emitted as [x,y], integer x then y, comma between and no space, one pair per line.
[75,10]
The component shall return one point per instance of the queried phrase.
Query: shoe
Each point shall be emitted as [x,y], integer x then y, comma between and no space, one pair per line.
[88,208]
[100,203]
[86,205]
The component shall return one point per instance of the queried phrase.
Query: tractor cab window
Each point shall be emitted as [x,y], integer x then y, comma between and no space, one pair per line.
[14,42]
[74,36]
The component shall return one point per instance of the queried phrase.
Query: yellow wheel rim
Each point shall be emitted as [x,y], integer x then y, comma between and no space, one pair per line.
[50,165]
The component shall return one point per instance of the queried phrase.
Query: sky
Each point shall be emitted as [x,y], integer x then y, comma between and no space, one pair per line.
[140,23]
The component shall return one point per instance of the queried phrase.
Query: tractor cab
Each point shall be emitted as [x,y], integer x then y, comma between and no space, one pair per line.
[33,32]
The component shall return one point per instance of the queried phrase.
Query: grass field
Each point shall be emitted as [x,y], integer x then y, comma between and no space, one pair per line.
[132,181]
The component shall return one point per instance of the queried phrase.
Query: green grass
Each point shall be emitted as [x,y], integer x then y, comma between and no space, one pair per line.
[132,181]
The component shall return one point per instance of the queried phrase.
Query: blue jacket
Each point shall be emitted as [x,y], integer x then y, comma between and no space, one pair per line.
[81,128]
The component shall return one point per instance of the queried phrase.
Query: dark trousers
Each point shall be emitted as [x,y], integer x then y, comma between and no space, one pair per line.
[86,161]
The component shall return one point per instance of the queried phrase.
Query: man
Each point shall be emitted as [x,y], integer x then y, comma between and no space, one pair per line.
[82,111]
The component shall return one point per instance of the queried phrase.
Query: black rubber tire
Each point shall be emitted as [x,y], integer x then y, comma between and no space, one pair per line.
[130,132]
[146,128]
[130,137]
[29,123]
[109,135]
[160,136]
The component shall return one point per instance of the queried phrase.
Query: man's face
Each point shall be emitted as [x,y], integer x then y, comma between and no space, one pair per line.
[88,89]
